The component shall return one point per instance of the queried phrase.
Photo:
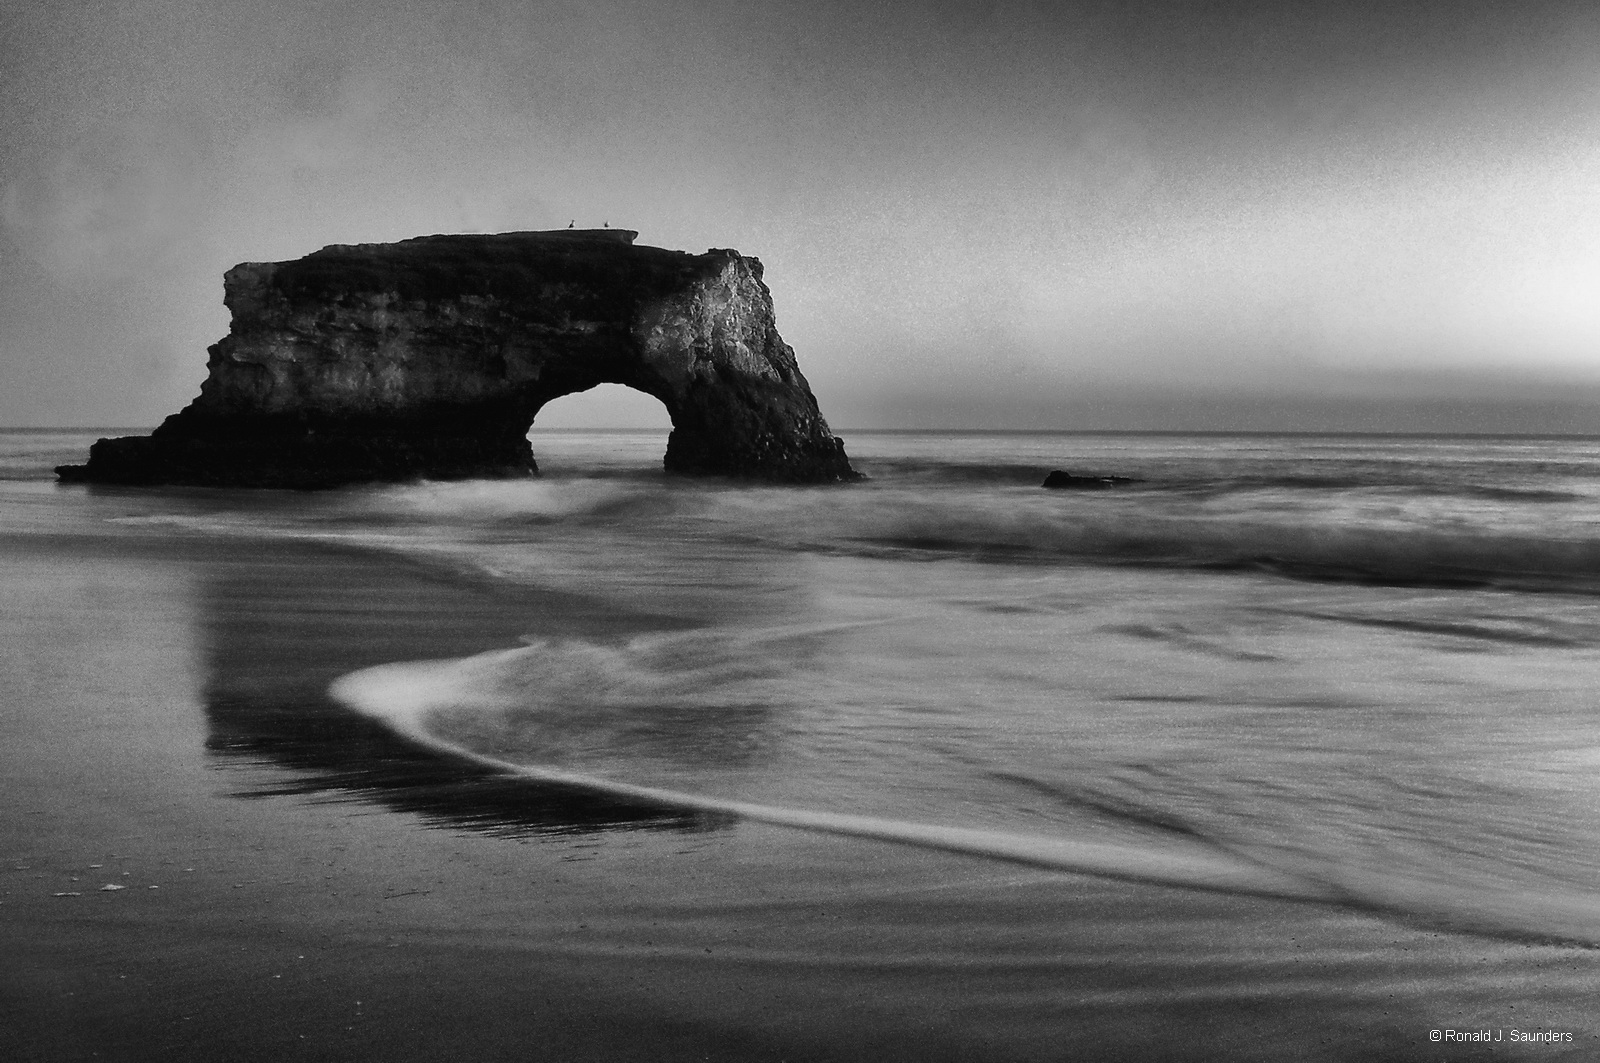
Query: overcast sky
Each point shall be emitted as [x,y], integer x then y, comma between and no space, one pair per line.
[1097,215]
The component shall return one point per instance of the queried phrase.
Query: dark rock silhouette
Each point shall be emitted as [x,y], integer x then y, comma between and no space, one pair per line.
[1060,479]
[431,357]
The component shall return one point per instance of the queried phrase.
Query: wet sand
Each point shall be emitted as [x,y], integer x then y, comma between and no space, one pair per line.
[299,885]
[246,929]
[242,927]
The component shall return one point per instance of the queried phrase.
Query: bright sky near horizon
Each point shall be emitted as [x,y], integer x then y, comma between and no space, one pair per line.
[1005,215]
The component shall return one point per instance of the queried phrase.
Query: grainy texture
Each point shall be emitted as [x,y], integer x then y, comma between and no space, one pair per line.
[431,357]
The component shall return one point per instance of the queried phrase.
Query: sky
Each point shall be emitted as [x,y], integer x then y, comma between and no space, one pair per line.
[1181,215]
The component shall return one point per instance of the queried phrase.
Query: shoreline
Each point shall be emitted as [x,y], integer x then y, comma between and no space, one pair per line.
[169,711]
[233,938]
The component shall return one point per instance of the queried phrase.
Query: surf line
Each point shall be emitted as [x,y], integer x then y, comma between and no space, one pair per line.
[401,695]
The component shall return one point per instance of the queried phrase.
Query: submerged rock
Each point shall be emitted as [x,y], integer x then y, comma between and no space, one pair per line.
[431,357]
[1062,480]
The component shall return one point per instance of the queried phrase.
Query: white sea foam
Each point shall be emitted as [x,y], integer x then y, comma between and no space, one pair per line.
[406,697]
[403,695]
[472,501]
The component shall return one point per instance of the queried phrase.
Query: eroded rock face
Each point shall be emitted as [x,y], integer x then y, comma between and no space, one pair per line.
[431,357]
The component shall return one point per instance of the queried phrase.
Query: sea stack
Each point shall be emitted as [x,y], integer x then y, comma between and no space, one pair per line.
[430,358]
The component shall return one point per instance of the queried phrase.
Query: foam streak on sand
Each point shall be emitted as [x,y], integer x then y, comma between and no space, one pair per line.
[403,695]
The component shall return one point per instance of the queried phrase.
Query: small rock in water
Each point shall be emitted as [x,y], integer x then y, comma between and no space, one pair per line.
[111,886]
[1063,480]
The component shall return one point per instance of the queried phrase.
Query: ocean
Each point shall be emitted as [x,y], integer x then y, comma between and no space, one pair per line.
[1288,747]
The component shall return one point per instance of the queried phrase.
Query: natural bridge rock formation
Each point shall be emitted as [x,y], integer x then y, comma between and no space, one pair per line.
[431,358]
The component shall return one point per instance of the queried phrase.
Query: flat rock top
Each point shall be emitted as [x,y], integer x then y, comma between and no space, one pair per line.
[429,268]
[528,238]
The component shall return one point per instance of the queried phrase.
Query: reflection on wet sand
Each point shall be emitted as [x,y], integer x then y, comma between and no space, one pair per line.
[279,627]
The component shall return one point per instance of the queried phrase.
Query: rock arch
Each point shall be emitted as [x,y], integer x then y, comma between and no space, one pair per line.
[431,358]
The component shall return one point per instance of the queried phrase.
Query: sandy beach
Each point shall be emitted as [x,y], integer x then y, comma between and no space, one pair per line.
[295,883]
[244,929]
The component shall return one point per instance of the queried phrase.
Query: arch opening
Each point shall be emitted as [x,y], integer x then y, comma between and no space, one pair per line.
[608,429]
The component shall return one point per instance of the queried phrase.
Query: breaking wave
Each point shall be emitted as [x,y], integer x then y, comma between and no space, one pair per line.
[1310,546]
